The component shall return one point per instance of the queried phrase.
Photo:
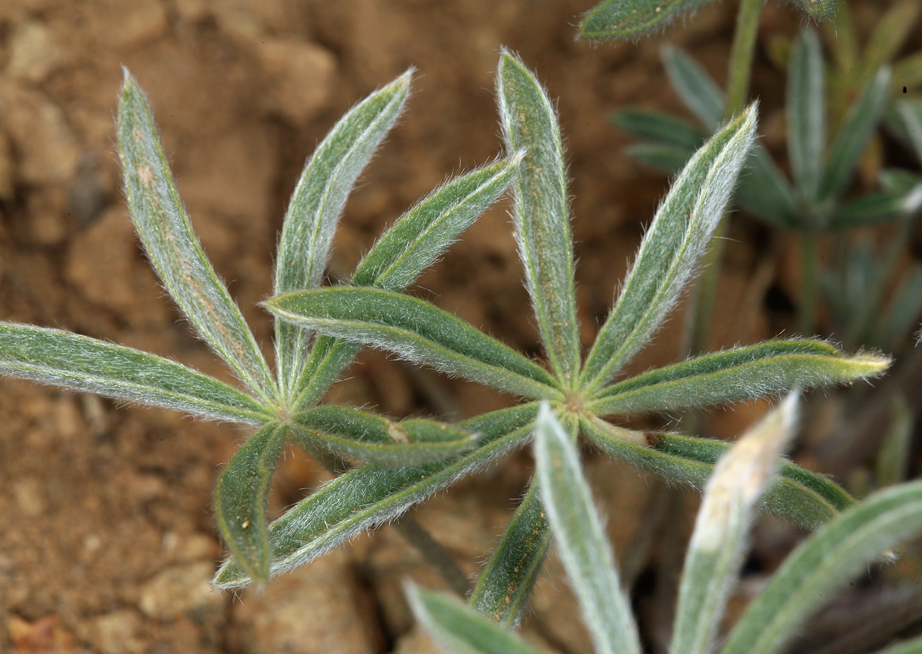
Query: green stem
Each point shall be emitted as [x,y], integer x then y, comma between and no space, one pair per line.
[809,252]
[738,77]
[742,54]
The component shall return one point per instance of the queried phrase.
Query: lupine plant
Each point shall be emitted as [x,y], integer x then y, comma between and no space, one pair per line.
[281,406]
[842,549]
[387,466]
[583,392]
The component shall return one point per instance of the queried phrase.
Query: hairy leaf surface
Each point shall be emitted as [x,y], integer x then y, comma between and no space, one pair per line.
[736,375]
[542,214]
[417,331]
[316,204]
[54,356]
[241,497]
[173,247]
[671,249]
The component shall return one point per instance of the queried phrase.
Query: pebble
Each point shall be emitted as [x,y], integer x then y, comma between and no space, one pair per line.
[181,590]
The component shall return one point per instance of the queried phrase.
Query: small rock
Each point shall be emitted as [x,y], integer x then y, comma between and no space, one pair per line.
[181,590]
[311,610]
[34,52]
[40,136]
[119,632]
[300,77]
[42,635]
[30,496]
[100,261]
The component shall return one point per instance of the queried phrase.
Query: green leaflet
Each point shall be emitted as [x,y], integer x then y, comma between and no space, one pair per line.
[806,113]
[459,629]
[853,135]
[828,560]
[735,375]
[425,231]
[764,192]
[665,158]
[818,9]
[619,19]
[504,586]
[241,496]
[542,214]
[660,127]
[581,541]
[799,496]
[715,552]
[315,207]
[366,497]
[351,433]
[697,90]
[173,248]
[670,250]
[876,208]
[53,356]
[417,331]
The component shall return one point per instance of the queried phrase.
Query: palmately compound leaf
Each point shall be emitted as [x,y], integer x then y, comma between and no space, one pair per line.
[581,541]
[736,375]
[798,495]
[241,497]
[460,629]
[417,331]
[316,205]
[367,497]
[54,356]
[173,248]
[827,561]
[620,19]
[542,214]
[671,249]
[715,552]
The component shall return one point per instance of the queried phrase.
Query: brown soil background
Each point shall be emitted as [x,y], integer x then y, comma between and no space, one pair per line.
[107,541]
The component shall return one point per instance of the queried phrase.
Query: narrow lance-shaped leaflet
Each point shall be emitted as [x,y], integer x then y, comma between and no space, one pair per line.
[542,214]
[671,249]
[416,331]
[806,113]
[354,434]
[241,498]
[581,541]
[799,496]
[737,375]
[459,629]
[173,248]
[622,19]
[316,205]
[54,356]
